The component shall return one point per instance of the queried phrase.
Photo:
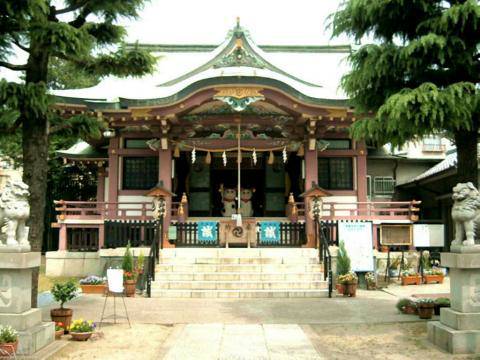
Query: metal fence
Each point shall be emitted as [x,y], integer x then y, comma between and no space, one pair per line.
[291,234]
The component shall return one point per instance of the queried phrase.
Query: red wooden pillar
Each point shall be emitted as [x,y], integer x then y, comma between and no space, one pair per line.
[362,172]
[165,175]
[113,174]
[311,176]
[101,184]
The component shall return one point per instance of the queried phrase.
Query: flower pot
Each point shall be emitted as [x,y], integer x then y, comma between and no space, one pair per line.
[411,280]
[428,279]
[63,316]
[425,311]
[8,349]
[409,309]
[81,336]
[59,333]
[371,286]
[350,289]
[339,288]
[93,289]
[130,286]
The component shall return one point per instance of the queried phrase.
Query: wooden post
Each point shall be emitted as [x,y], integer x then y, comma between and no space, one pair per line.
[362,172]
[165,175]
[113,175]
[101,184]
[311,176]
[62,237]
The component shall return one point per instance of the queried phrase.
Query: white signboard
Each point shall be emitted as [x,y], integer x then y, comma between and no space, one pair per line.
[428,235]
[358,239]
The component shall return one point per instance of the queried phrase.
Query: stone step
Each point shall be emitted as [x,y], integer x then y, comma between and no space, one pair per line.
[238,252]
[262,268]
[243,276]
[164,293]
[239,260]
[239,285]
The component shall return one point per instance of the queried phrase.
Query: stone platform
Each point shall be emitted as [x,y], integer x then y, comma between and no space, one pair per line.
[458,330]
[15,302]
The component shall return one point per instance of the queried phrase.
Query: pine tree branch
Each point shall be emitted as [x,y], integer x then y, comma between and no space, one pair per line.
[13,66]
[19,45]
[71,8]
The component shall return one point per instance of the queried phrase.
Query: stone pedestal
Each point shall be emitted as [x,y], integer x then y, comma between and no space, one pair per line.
[458,330]
[15,302]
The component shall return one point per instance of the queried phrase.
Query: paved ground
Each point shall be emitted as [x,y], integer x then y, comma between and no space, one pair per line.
[366,327]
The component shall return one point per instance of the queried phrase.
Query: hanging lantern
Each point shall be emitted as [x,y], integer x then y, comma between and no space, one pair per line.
[176,152]
[208,158]
[301,150]
[284,155]
[254,157]
[194,156]
[224,158]
[271,158]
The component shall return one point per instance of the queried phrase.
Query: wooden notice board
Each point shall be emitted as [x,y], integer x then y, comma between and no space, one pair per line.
[398,235]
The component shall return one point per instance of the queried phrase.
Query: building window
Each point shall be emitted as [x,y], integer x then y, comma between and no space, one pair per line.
[140,173]
[433,143]
[384,185]
[136,144]
[335,173]
[338,144]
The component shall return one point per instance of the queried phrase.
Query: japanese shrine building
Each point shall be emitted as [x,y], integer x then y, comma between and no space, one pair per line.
[184,126]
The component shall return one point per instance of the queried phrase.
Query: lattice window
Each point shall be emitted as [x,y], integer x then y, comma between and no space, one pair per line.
[335,173]
[140,173]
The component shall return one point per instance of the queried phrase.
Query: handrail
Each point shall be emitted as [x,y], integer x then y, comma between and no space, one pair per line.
[153,255]
[324,254]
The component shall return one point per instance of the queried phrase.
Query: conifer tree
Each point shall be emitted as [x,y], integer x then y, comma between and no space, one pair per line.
[83,34]
[420,74]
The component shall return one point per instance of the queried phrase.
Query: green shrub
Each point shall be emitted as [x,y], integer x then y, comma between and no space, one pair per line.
[8,334]
[343,261]
[402,303]
[63,292]
[127,262]
[442,301]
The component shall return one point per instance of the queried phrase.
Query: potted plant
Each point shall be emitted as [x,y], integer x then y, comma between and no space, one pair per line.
[349,282]
[407,306]
[81,330]
[439,303]
[129,276]
[93,285]
[59,330]
[139,270]
[63,292]
[425,307]
[343,265]
[411,277]
[8,341]
[433,275]
[393,269]
[371,281]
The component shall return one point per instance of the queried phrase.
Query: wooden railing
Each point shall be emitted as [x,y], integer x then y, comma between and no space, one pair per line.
[96,210]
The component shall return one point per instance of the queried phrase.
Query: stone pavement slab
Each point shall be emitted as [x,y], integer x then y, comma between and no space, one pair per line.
[259,342]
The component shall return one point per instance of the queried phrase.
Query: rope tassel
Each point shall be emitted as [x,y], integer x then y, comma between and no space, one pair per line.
[271,158]
[208,158]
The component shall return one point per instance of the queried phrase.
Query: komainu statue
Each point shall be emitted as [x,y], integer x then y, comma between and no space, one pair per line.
[14,212]
[465,213]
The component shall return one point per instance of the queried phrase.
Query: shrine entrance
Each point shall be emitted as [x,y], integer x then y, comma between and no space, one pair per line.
[270,182]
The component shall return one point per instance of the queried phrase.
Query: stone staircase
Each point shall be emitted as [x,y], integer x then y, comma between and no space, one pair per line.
[239,273]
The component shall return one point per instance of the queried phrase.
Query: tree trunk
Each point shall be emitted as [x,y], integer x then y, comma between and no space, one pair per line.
[467,155]
[35,157]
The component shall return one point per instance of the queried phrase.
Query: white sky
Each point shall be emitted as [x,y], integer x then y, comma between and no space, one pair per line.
[299,22]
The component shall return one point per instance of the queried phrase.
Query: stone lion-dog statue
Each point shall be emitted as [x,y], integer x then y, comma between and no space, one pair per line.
[14,212]
[465,213]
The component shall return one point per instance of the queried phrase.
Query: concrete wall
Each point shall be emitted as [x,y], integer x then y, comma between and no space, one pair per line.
[82,264]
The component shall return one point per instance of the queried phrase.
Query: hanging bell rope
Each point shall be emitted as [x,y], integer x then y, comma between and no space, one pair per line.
[301,150]
[176,152]
[208,158]
[271,158]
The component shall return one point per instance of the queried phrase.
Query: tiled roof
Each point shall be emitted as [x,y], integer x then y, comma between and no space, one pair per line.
[449,162]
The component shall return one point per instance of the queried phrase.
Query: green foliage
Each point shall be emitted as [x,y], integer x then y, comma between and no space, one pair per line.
[64,75]
[402,303]
[140,262]
[8,334]
[127,262]
[420,76]
[343,260]
[63,292]
[80,326]
[442,301]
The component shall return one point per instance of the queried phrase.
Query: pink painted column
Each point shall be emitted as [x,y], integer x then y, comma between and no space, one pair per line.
[101,236]
[165,175]
[362,172]
[113,173]
[311,176]
[101,185]
[62,237]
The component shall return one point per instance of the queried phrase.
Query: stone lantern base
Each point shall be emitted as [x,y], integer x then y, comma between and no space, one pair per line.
[458,330]
[15,302]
